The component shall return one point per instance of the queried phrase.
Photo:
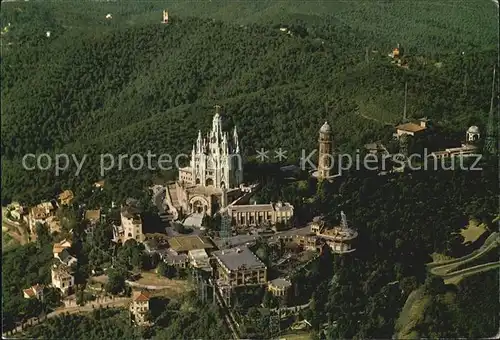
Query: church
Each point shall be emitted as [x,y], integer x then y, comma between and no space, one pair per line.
[214,177]
[213,181]
[215,159]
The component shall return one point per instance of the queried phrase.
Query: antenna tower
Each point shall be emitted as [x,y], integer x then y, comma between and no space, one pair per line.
[491,142]
[225,229]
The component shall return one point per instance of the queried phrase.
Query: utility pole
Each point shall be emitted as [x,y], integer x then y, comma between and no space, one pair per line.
[491,142]
[366,56]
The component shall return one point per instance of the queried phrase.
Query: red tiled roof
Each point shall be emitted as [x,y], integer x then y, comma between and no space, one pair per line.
[29,292]
[141,296]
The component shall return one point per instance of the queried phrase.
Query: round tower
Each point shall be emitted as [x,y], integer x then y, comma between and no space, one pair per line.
[325,156]
[472,135]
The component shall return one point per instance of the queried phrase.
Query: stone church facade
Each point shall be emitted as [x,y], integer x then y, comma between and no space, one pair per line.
[214,176]
[215,159]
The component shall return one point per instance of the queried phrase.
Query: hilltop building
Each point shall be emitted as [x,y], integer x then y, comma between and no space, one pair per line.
[213,159]
[213,178]
[139,307]
[175,259]
[131,223]
[325,155]
[62,278]
[340,238]
[279,287]
[411,129]
[239,267]
[35,291]
[259,214]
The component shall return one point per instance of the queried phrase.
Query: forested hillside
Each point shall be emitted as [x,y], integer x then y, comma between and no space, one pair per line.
[75,82]
[130,84]
[401,220]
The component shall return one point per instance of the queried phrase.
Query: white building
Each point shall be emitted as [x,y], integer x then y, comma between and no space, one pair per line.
[213,178]
[215,159]
[260,214]
[139,307]
[472,135]
[62,279]
[131,224]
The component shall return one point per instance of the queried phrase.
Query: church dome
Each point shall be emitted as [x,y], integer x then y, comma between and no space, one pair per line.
[325,128]
[473,129]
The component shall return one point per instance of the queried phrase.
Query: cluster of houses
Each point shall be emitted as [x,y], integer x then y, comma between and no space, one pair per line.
[421,127]
[45,213]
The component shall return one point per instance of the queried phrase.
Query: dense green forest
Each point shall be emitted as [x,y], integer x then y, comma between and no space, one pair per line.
[130,84]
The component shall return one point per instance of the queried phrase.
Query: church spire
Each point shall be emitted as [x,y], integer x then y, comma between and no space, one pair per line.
[235,140]
[199,143]
[217,125]
[224,145]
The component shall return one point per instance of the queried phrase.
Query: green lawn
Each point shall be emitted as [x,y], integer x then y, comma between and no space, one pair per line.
[473,231]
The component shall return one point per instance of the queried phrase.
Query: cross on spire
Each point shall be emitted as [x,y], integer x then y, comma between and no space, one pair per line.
[217,107]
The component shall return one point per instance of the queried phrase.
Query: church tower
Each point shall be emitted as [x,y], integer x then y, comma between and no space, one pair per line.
[215,159]
[325,156]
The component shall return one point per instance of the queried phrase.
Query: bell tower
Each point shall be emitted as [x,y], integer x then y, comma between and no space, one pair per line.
[325,156]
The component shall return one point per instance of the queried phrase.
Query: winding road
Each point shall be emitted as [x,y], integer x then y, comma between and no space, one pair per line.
[446,269]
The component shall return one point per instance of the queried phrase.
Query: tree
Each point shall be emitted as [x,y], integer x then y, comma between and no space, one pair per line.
[116,281]
[268,299]
[166,270]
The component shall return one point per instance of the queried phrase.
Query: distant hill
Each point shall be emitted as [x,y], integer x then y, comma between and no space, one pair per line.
[131,84]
